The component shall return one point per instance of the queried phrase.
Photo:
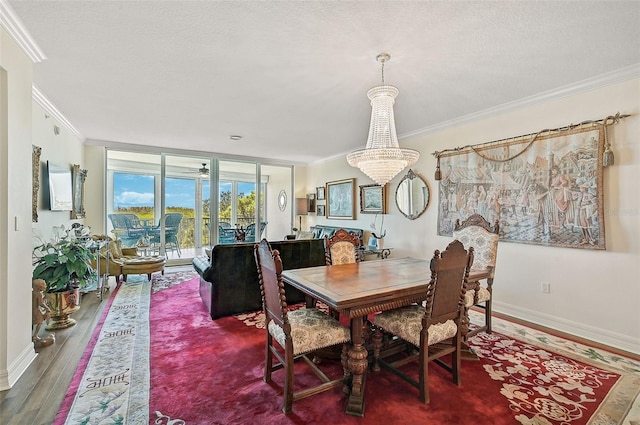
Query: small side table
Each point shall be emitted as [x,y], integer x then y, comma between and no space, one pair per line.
[382,254]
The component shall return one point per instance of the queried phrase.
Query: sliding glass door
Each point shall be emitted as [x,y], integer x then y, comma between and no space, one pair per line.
[186,179]
[163,203]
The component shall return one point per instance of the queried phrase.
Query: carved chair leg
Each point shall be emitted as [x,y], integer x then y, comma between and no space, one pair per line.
[268,360]
[377,345]
[287,404]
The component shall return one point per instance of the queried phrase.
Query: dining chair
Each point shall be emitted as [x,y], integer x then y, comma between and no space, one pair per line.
[433,326]
[477,232]
[342,248]
[291,335]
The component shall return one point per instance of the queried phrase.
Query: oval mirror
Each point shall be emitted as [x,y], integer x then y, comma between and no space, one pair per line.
[282,200]
[412,195]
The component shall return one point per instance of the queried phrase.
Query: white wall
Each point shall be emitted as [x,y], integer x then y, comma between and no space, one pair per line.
[94,201]
[279,221]
[63,149]
[594,294]
[16,348]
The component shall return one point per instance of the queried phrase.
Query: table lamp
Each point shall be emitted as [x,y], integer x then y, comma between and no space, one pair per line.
[301,209]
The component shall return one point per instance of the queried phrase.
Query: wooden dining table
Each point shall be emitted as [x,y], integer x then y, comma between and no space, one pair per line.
[357,290]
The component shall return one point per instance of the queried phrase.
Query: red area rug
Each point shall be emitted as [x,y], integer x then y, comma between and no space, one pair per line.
[210,372]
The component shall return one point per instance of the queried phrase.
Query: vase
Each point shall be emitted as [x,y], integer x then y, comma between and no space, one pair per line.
[380,242]
[62,304]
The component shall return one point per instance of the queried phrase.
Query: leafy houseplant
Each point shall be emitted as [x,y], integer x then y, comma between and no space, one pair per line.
[64,264]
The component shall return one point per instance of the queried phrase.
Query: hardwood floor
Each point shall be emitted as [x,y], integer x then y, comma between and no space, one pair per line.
[36,397]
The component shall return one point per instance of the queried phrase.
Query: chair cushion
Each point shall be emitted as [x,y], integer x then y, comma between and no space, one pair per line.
[484,243]
[144,260]
[343,253]
[483,296]
[406,323]
[114,248]
[311,330]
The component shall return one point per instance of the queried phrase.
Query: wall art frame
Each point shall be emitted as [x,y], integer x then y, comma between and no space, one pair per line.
[549,193]
[78,178]
[340,199]
[35,181]
[311,202]
[320,210]
[373,199]
[320,193]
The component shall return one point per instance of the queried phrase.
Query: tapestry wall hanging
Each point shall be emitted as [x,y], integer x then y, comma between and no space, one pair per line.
[545,190]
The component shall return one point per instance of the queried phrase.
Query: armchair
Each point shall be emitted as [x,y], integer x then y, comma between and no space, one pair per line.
[123,261]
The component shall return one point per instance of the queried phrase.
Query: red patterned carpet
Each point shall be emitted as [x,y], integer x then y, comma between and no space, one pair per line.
[210,372]
[176,366]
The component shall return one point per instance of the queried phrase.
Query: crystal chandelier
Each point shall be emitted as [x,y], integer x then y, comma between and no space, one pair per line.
[382,158]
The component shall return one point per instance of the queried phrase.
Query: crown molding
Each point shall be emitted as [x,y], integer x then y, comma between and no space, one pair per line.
[618,76]
[10,22]
[51,109]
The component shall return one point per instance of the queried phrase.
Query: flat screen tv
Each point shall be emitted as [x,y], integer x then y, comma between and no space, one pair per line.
[60,189]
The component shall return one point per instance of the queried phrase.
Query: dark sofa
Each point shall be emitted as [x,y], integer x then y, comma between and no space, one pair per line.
[320,231]
[229,283]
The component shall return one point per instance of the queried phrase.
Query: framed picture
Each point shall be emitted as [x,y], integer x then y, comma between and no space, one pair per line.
[311,202]
[340,199]
[78,177]
[320,193]
[373,199]
[320,210]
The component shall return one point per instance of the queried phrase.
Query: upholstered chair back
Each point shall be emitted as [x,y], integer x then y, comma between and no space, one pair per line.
[342,248]
[476,232]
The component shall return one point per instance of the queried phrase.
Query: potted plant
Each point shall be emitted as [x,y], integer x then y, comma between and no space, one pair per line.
[65,266]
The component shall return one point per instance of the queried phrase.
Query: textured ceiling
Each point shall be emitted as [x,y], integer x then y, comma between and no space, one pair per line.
[292,77]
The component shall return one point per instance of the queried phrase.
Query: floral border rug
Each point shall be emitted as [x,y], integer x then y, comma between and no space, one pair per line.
[622,405]
[548,379]
[114,388]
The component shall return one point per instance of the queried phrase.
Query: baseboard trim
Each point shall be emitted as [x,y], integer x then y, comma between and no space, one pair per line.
[9,377]
[594,337]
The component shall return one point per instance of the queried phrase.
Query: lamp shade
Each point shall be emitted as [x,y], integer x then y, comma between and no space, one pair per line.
[301,206]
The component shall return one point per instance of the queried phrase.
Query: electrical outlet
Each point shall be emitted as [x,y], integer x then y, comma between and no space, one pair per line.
[545,287]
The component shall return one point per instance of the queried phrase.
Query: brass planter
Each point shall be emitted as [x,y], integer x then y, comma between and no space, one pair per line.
[62,304]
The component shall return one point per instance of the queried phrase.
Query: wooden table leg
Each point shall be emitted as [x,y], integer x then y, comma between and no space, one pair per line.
[358,364]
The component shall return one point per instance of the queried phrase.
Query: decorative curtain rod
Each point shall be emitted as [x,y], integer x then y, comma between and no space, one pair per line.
[607,159]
